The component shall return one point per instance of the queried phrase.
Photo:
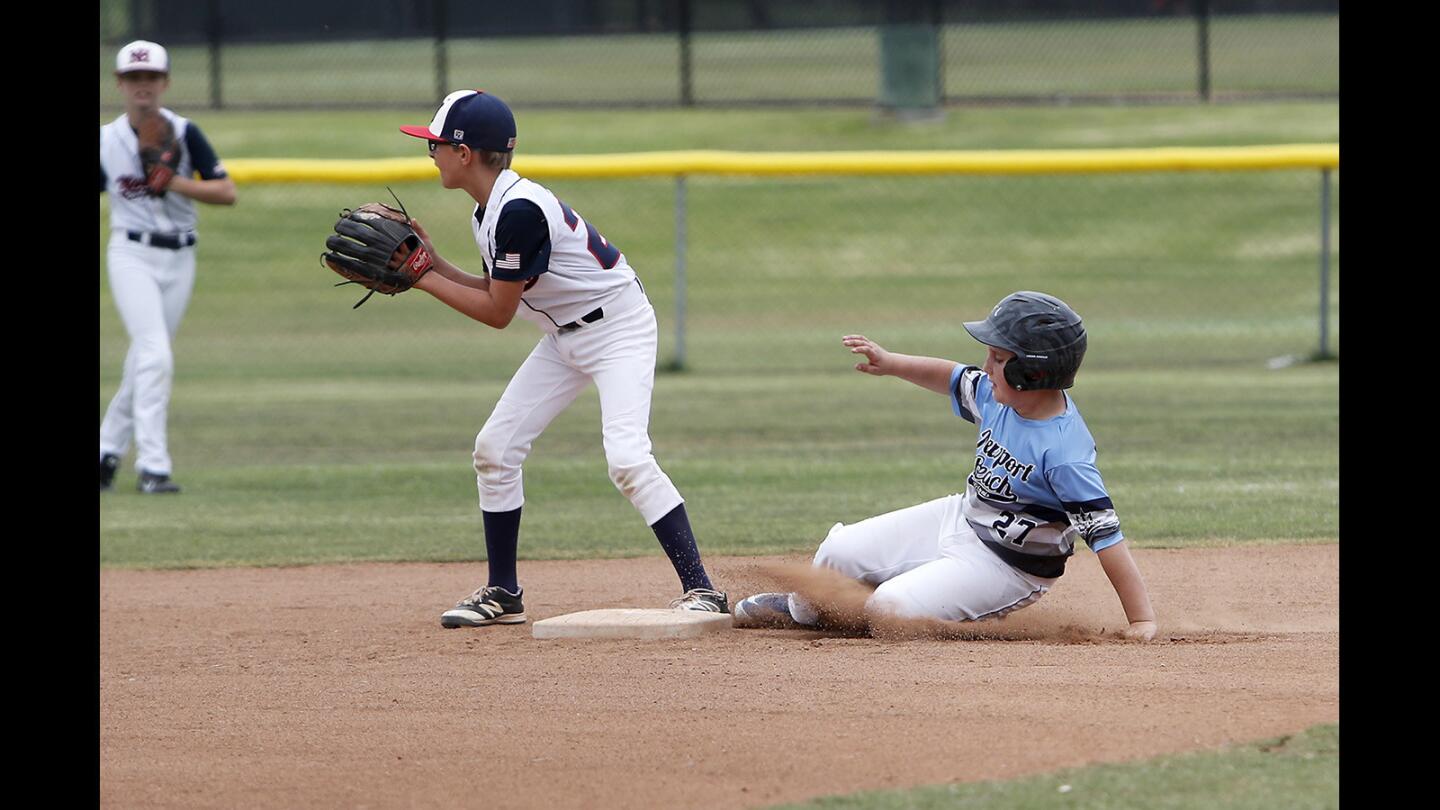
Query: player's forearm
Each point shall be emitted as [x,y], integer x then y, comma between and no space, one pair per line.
[1125,578]
[448,270]
[220,191]
[930,373]
[474,303]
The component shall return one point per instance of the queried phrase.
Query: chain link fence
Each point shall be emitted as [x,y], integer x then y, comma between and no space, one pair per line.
[254,54]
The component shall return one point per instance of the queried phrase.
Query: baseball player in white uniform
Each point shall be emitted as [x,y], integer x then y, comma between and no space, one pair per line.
[547,264]
[1034,489]
[150,260]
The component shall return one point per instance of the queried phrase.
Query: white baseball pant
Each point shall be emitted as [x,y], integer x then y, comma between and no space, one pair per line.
[926,562]
[618,354]
[151,287]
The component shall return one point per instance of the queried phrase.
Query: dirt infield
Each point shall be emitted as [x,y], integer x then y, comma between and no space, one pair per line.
[334,686]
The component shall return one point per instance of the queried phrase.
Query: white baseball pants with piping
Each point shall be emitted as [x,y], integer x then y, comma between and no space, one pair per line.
[151,287]
[618,354]
[926,562]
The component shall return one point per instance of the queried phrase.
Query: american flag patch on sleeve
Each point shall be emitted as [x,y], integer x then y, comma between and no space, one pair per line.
[508,261]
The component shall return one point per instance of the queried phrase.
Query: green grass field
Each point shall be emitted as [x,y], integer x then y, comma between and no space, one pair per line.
[1297,53]
[1302,770]
[304,431]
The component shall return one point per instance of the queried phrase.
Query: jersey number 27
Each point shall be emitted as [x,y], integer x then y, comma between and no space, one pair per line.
[605,253]
[1008,518]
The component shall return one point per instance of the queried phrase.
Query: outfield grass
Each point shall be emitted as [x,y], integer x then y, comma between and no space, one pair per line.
[305,431]
[1301,770]
[1296,53]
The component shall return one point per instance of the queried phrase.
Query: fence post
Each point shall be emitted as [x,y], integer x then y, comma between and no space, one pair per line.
[1202,36]
[217,97]
[678,364]
[442,67]
[1324,266]
[687,90]
[937,19]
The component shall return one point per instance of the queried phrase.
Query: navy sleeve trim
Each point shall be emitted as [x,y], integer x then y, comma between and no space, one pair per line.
[974,395]
[959,378]
[522,242]
[102,179]
[202,154]
[1097,505]
[1043,512]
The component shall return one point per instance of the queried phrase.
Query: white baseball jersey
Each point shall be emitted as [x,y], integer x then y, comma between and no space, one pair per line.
[525,233]
[132,206]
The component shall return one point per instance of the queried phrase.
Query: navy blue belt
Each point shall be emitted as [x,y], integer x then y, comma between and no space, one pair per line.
[161,240]
[589,317]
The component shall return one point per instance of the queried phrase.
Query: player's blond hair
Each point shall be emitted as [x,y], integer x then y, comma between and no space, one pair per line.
[499,161]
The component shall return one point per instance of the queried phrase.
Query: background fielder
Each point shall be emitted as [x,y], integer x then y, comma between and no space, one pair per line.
[1033,491]
[150,260]
[545,263]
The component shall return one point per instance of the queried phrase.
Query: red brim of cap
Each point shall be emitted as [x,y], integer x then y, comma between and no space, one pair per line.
[423,132]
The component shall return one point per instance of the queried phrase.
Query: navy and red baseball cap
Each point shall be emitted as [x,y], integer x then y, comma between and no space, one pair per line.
[472,117]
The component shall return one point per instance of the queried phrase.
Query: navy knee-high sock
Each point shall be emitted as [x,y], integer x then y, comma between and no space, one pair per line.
[673,532]
[502,538]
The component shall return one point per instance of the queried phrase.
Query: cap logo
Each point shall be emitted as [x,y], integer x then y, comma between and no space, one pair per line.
[459,135]
[140,55]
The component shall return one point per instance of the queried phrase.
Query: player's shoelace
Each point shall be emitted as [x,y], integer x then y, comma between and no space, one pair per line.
[482,600]
[699,599]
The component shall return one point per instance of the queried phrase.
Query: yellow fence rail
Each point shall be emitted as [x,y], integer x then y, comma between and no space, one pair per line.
[1324,156]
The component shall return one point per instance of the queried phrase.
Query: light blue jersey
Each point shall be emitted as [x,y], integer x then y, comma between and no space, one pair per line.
[1035,486]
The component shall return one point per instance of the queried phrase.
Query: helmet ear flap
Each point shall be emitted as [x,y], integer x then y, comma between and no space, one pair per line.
[1021,375]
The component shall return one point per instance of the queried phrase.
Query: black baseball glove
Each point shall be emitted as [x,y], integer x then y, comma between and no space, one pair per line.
[375,246]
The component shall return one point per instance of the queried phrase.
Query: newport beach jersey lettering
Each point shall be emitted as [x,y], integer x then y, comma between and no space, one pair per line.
[993,480]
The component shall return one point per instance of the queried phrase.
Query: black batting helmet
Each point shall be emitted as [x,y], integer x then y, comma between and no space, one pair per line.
[1045,334]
